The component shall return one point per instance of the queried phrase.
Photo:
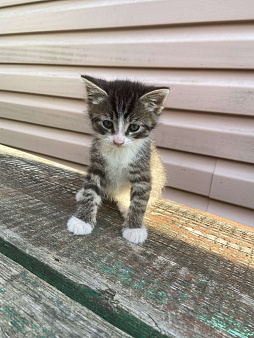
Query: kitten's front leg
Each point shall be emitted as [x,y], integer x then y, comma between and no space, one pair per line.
[134,229]
[88,198]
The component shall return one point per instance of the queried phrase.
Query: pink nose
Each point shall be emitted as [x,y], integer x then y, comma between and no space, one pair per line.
[118,139]
[118,143]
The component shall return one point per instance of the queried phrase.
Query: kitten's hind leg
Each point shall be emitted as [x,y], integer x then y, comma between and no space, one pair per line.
[122,199]
[123,207]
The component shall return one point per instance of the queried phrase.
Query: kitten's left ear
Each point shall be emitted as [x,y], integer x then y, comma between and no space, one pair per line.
[154,100]
[95,94]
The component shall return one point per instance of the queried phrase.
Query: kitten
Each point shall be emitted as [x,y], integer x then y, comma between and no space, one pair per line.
[125,165]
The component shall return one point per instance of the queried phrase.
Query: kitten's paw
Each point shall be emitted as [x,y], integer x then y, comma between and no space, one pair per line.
[80,195]
[136,236]
[79,227]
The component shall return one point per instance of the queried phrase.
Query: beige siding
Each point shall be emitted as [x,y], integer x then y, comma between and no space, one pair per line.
[212,47]
[95,14]
[202,50]
[8,3]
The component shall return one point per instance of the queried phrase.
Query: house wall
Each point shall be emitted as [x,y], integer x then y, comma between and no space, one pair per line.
[202,50]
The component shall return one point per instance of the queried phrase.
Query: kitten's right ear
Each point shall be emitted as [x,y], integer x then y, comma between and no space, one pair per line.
[95,94]
[154,100]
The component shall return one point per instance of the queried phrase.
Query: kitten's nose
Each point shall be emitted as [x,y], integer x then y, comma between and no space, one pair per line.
[118,139]
[118,143]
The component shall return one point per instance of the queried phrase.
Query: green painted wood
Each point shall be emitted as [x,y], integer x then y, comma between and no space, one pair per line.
[164,287]
[30,307]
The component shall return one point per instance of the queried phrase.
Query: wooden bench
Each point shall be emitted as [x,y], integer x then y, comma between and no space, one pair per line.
[32,307]
[193,277]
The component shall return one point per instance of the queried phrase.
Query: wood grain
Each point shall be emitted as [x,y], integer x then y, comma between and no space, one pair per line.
[193,277]
[31,307]
[202,50]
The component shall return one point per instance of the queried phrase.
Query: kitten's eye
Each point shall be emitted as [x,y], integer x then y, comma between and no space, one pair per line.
[107,124]
[133,127]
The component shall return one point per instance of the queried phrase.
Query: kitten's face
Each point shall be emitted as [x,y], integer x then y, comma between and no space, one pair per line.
[122,112]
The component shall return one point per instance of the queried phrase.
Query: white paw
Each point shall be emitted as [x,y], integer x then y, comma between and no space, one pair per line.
[135,235]
[79,227]
[80,195]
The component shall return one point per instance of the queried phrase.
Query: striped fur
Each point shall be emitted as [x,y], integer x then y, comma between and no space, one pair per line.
[125,165]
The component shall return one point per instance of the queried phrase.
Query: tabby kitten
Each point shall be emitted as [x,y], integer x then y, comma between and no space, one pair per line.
[124,163]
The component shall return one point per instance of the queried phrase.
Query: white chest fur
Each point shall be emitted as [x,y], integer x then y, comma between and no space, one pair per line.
[118,159]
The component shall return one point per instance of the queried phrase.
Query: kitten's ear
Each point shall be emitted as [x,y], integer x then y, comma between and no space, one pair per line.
[95,94]
[154,100]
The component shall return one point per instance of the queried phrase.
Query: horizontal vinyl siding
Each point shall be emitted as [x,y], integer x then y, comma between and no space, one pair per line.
[7,3]
[180,130]
[53,142]
[202,50]
[94,14]
[183,47]
[227,92]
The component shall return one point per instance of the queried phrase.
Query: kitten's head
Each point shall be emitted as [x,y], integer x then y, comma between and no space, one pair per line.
[123,111]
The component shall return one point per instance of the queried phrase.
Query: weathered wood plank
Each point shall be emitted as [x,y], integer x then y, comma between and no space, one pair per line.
[192,278]
[190,172]
[31,307]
